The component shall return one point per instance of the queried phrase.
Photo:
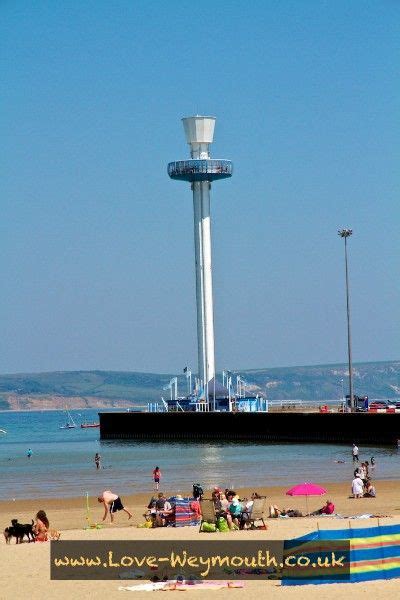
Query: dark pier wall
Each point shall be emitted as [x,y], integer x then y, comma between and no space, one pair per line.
[380,428]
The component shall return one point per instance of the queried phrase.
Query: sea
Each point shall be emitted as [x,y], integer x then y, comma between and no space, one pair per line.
[62,461]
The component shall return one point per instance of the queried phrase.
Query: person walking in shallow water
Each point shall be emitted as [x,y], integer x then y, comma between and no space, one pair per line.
[97,459]
[355,453]
[157,477]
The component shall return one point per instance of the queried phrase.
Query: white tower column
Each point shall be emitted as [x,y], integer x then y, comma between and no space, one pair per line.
[199,279]
[199,134]
[204,292]
[201,170]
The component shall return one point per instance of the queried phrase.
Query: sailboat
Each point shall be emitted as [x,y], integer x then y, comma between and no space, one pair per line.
[70,423]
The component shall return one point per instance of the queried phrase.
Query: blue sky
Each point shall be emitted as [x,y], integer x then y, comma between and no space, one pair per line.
[96,243]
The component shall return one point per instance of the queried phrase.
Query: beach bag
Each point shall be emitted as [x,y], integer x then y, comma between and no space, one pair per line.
[222,524]
[209,527]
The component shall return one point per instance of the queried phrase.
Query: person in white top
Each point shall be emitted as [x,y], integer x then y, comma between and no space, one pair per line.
[355,453]
[357,487]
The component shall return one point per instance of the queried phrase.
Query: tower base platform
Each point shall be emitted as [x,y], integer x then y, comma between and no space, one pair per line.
[307,427]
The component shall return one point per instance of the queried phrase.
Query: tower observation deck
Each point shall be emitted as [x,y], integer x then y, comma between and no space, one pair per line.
[200,170]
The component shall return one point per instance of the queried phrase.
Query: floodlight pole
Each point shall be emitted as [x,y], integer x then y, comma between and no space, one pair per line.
[345,233]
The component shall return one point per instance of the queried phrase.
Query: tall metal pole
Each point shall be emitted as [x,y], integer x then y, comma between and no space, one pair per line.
[345,233]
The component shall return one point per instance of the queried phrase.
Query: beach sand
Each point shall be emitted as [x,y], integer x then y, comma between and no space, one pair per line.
[24,569]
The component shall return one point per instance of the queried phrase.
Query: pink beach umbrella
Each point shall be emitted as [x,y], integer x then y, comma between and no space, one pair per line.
[306,489]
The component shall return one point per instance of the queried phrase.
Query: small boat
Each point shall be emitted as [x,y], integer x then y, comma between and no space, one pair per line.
[70,423]
[4,431]
[87,425]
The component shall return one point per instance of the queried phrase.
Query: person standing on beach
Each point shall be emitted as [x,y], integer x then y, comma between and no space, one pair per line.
[112,504]
[29,453]
[97,459]
[157,477]
[355,453]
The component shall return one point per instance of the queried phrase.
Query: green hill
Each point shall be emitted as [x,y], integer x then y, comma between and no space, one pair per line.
[114,388]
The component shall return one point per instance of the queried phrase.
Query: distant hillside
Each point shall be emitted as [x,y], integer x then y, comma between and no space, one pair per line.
[82,389]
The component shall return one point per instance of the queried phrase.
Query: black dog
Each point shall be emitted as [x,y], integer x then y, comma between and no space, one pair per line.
[19,531]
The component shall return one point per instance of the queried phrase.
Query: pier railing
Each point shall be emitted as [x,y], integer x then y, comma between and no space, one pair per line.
[296,404]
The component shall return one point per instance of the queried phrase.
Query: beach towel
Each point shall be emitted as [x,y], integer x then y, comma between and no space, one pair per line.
[205,586]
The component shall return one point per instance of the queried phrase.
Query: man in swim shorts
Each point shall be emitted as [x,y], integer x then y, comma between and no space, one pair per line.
[112,504]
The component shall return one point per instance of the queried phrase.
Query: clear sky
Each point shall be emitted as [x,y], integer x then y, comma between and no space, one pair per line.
[96,243]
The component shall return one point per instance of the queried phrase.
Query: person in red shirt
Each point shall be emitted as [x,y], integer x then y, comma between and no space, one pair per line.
[157,477]
[328,509]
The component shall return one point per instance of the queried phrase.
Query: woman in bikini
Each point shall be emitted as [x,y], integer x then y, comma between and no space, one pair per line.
[41,527]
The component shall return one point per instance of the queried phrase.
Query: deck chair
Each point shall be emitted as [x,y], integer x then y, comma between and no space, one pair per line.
[208,514]
[258,512]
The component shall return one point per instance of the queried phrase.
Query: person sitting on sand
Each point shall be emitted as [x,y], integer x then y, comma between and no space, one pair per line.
[112,504]
[275,512]
[357,487]
[235,508]
[151,512]
[163,510]
[370,491]
[216,498]
[327,509]
[234,513]
[41,527]
[224,503]
[230,495]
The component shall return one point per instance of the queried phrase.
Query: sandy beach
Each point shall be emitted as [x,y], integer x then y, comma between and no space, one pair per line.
[25,568]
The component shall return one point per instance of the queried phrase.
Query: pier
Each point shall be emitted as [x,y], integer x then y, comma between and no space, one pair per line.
[307,427]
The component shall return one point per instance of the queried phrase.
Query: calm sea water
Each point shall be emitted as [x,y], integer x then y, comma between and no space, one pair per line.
[62,461]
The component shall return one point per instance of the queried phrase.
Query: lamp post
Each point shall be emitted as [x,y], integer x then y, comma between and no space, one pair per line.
[345,233]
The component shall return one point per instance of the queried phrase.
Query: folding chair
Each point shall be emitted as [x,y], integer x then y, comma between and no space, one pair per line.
[208,514]
[258,512]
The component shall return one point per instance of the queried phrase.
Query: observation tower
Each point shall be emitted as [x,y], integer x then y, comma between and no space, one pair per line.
[200,171]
